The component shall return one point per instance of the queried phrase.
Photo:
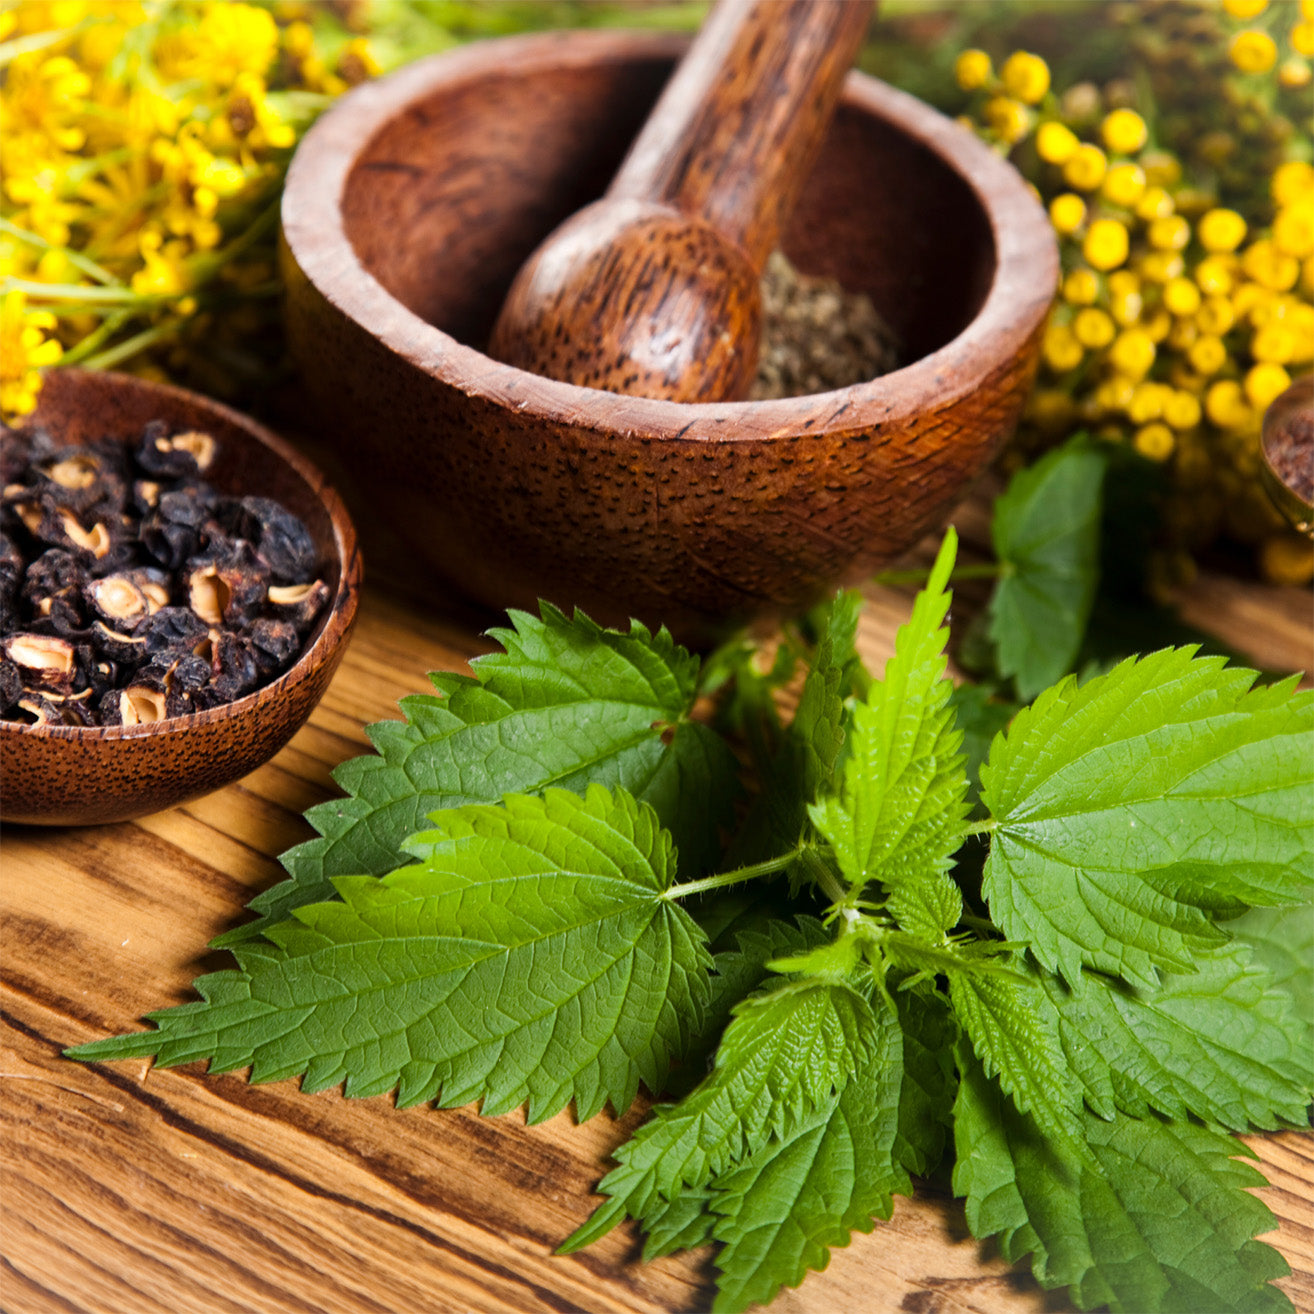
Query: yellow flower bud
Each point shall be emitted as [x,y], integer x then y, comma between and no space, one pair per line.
[1181,410]
[1245,9]
[1051,410]
[1269,266]
[1085,168]
[1171,233]
[1293,230]
[1155,441]
[1126,307]
[1133,353]
[1061,349]
[1157,325]
[1093,328]
[1301,322]
[1162,169]
[1295,73]
[1009,118]
[1248,298]
[1124,184]
[1287,559]
[1106,244]
[1213,275]
[1182,334]
[1252,51]
[1155,204]
[1115,394]
[1221,230]
[1146,402]
[1161,266]
[1181,296]
[1264,382]
[1124,132]
[1067,213]
[1026,76]
[1226,406]
[1215,316]
[1081,287]
[1293,182]
[1302,38]
[972,69]
[1055,142]
[1275,343]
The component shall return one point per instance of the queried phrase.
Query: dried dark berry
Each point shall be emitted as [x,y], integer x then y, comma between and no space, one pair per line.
[11,568]
[175,456]
[168,543]
[145,495]
[233,665]
[274,645]
[125,599]
[83,480]
[44,661]
[227,584]
[120,646]
[11,684]
[40,707]
[144,701]
[282,541]
[190,504]
[172,630]
[299,603]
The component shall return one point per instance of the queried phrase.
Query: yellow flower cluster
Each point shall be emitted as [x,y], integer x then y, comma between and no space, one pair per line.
[1180,318]
[142,147]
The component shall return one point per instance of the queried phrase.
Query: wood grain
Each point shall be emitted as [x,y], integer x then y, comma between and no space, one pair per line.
[132,1191]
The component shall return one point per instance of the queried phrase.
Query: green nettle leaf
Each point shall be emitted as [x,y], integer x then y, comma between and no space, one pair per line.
[832,1174]
[1013,1030]
[1131,808]
[1282,940]
[1218,1042]
[737,973]
[566,704]
[783,1058]
[1150,1217]
[803,766]
[899,817]
[529,955]
[926,1097]
[1046,532]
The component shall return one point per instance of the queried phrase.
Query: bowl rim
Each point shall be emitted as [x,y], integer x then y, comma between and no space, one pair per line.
[341,608]
[1016,303]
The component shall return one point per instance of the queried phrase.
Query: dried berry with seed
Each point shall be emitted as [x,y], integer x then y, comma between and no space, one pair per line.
[43,660]
[227,584]
[274,645]
[175,456]
[234,672]
[281,539]
[299,604]
[11,684]
[173,630]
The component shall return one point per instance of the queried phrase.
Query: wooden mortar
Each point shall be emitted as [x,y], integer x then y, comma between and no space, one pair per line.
[408,210]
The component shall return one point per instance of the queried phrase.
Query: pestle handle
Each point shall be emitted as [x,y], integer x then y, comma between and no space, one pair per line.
[738,126]
[654,289]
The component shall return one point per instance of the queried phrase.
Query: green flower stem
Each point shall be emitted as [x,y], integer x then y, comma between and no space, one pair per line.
[130,347]
[735,877]
[96,339]
[114,296]
[986,827]
[98,272]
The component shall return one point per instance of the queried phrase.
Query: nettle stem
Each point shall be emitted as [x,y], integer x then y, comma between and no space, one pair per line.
[986,827]
[735,877]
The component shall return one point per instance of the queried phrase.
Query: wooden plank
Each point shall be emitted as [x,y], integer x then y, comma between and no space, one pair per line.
[128,1191]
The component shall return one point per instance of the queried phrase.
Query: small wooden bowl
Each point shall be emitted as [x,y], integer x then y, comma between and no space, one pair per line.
[78,776]
[411,204]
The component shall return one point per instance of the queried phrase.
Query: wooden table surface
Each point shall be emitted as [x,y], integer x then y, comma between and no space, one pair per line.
[127,1190]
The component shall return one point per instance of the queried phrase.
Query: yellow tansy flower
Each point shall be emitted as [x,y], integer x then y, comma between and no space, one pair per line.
[1226,406]
[1106,244]
[1055,142]
[1207,355]
[1085,168]
[1215,316]
[1214,275]
[1275,343]
[1270,267]
[1026,77]
[1171,233]
[1181,296]
[1293,182]
[972,68]
[1093,328]
[1124,132]
[1221,230]
[1081,287]
[1245,9]
[1264,383]
[1009,118]
[1155,441]
[1287,559]
[1181,410]
[1302,38]
[1133,352]
[1253,51]
[1067,212]
[1061,349]
[24,349]
[1293,230]
[1124,184]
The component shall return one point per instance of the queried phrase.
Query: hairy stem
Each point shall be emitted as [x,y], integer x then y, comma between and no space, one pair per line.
[740,874]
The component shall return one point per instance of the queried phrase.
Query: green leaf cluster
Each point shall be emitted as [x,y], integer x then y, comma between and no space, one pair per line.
[523,901]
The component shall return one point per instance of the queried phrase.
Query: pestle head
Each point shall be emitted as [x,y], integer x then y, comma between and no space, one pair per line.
[635,297]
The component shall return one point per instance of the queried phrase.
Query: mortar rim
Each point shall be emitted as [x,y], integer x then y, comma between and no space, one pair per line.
[1020,293]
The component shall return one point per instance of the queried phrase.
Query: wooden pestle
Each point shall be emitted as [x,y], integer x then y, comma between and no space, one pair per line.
[654,289]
